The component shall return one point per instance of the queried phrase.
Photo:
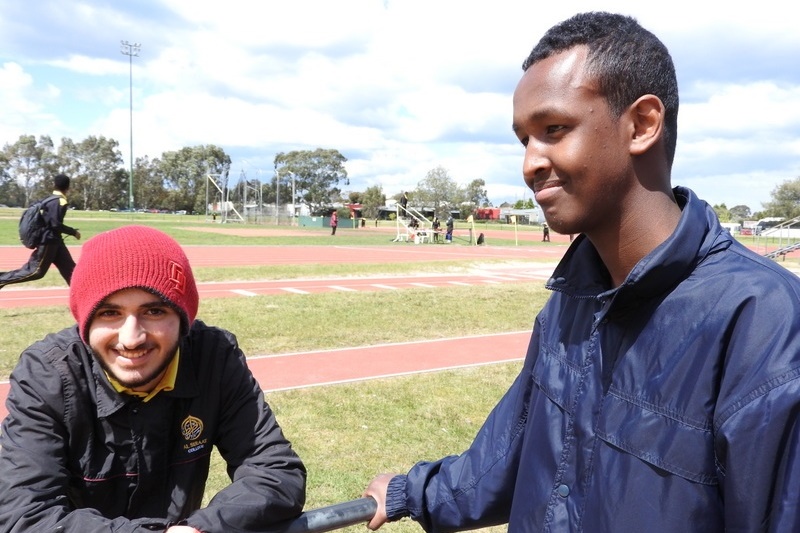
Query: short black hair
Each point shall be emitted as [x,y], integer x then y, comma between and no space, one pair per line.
[626,60]
[61,182]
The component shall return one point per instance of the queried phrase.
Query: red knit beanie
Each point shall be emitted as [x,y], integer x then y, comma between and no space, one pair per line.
[131,256]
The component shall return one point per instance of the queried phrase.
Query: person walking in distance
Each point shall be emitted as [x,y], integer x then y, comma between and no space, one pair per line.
[51,250]
[660,391]
[334,222]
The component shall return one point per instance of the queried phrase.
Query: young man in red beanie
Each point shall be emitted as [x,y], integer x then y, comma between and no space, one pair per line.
[112,421]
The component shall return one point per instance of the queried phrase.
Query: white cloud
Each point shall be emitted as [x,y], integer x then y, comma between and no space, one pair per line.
[742,109]
[23,104]
[399,86]
[80,64]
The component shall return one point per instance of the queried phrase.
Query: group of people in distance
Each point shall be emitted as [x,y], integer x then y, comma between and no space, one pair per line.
[660,391]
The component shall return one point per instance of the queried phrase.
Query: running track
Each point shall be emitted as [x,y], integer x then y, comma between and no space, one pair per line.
[295,370]
[305,369]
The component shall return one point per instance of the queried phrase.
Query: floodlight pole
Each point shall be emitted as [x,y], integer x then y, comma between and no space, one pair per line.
[294,205]
[277,196]
[130,50]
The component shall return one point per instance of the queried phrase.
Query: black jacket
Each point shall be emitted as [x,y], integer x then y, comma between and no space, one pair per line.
[77,454]
[54,212]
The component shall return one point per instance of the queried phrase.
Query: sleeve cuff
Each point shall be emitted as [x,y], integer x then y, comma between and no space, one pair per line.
[396,498]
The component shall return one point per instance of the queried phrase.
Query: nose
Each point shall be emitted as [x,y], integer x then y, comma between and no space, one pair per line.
[131,334]
[535,163]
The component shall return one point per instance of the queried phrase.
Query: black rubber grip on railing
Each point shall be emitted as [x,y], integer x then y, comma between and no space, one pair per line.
[333,517]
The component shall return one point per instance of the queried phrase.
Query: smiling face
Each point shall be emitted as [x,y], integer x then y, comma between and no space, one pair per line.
[134,335]
[577,158]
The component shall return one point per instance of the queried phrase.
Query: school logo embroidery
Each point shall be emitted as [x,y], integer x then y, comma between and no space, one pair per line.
[192,430]
[177,276]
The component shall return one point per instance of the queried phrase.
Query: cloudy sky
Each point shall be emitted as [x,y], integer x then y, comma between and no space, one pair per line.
[399,87]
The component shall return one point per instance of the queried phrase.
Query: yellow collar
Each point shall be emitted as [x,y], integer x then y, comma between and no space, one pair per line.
[167,382]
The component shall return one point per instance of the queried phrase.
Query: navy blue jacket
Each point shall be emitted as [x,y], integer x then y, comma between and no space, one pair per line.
[670,403]
[78,456]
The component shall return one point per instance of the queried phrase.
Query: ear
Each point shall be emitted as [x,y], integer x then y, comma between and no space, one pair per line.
[647,121]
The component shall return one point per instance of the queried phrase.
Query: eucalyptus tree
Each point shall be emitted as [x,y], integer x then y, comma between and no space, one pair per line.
[186,173]
[372,200]
[29,162]
[314,175]
[93,165]
[148,184]
[475,193]
[439,191]
[785,200]
[11,193]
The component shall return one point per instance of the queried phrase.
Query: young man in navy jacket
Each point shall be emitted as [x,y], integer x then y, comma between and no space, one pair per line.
[661,388]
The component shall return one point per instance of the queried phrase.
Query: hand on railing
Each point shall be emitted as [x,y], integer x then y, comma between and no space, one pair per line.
[332,517]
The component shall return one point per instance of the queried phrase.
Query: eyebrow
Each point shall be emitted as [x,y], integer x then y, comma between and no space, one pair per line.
[147,305]
[543,113]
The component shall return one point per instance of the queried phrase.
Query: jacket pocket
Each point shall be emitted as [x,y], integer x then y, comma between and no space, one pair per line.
[556,377]
[681,447]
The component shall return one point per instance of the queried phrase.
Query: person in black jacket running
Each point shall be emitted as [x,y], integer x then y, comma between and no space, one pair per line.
[111,422]
[51,251]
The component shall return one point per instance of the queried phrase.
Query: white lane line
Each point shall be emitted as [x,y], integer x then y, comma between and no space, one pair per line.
[243,292]
[340,288]
[295,291]
[381,286]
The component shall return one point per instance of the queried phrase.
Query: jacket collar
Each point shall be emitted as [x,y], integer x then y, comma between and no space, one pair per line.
[581,273]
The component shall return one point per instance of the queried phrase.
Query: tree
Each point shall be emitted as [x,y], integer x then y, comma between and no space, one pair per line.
[354,197]
[740,213]
[148,184]
[722,213]
[785,200]
[316,176]
[29,163]
[439,191]
[92,165]
[10,191]
[524,204]
[186,172]
[476,193]
[371,201]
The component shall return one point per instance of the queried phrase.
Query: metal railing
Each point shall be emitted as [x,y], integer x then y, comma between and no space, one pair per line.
[332,517]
